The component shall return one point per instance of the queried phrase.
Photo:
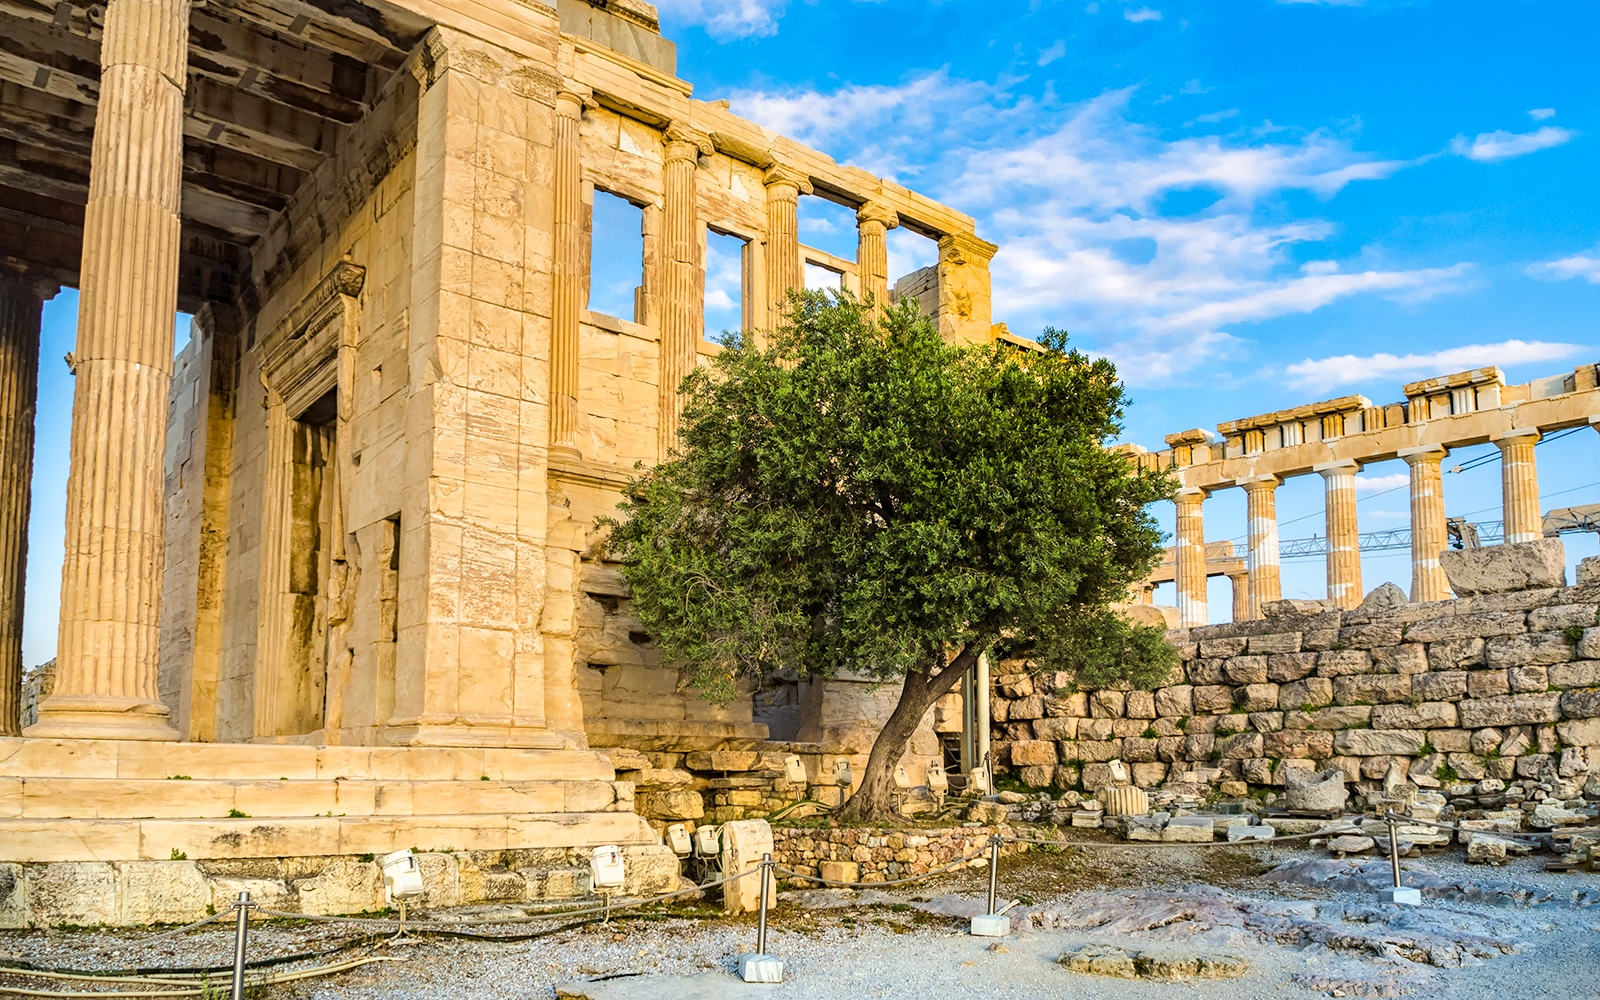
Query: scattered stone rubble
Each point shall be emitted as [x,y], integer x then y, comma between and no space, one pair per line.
[1105,960]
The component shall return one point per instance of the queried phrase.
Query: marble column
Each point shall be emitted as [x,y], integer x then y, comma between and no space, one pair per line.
[569,265]
[111,580]
[1428,534]
[1241,596]
[683,320]
[1344,539]
[873,222]
[1519,485]
[785,269]
[1261,511]
[21,300]
[1191,558]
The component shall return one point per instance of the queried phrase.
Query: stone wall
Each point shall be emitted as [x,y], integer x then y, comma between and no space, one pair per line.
[1500,686]
[878,855]
[37,684]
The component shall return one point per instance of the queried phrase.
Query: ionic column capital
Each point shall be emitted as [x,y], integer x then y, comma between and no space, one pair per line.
[877,211]
[572,98]
[784,181]
[684,143]
[961,248]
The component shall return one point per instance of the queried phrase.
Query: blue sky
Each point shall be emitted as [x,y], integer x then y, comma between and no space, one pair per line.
[1247,204]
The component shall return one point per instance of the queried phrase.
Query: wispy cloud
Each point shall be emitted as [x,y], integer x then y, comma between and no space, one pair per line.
[1377,484]
[726,19]
[1054,52]
[1142,14]
[1577,266]
[1540,114]
[1350,369]
[1329,3]
[1491,147]
[1216,116]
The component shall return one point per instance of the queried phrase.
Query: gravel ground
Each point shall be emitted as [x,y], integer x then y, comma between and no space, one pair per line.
[902,945]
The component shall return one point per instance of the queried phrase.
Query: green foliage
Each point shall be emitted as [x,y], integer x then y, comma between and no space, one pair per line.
[178,855]
[236,814]
[1183,723]
[179,777]
[1149,733]
[1573,633]
[1427,750]
[1214,756]
[857,494]
[1445,774]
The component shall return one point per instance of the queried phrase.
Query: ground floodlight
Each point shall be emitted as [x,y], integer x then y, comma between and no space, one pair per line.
[605,868]
[678,839]
[841,774]
[402,879]
[794,769]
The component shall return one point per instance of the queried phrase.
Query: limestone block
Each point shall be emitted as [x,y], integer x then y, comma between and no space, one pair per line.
[1487,849]
[1099,751]
[1074,705]
[269,892]
[1468,765]
[999,709]
[1036,776]
[1299,743]
[1266,722]
[1500,569]
[1579,703]
[722,760]
[1450,654]
[1580,732]
[1234,722]
[1223,648]
[83,893]
[1555,618]
[1450,685]
[1285,667]
[1513,710]
[1140,705]
[1055,729]
[588,796]
[1175,702]
[1312,692]
[1450,740]
[1479,626]
[1067,775]
[1208,671]
[1257,697]
[1369,636]
[1212,699]
[13,896]
[1031,707]
[1343,662]
[1125,800]
[1139,750]
[1320,792]
[1171,748]
[1427,715]
[1277,642]
[670,805]
[1341,717]
[1147,828]
[1525,680]
[1198,746]
[1589,644]
[743,843]
[1257,771]
[1241,747]
[1106,704]
[650,869]
[1239,834]
[1145,775]
[624,759]
[1589,570]
[1516,742]
[1374,742]
[1290,607]
[656,779]
[1351,844]
[1409,658]
[1246,670]
[1371,688]
[1123,728]
[1188,830]
[1584,673]
[840,871]
[1573,763]
[1038,752]
[1528,649]
[1019,685]
[342,887]
[1488,683]
[161,892]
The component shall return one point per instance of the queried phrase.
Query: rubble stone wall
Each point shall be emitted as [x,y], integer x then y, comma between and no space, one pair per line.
[1500,686]
[868,854]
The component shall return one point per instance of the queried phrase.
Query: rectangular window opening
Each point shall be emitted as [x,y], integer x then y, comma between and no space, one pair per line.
[726,265]
[616,256]
[819,278]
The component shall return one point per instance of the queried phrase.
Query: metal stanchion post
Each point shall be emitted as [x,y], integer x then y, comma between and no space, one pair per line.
[1398,894]
[992,924]
[240,935]
[761,967]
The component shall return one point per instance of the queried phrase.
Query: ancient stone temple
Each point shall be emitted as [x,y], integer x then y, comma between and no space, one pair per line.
[331,580]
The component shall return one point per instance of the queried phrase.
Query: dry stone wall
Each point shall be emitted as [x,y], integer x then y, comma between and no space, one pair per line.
[869,854]
[1500,686]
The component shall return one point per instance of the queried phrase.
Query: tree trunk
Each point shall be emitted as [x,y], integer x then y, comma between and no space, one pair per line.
[873,799]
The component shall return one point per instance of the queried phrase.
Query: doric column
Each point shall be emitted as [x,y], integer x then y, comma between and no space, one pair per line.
[1261,510]
[21,299]
[1344,539]
[1428,534]
[1241,596]
[1519,485]
[785,269]
[683,319]
[568,267]
[111,580]
[873,222]
[1190,543]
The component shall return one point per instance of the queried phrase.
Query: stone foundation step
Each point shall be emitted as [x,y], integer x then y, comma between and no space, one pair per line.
[199,798]
[51,840]
[132,759]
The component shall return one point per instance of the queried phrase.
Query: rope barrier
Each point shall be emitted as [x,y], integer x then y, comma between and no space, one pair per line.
[198,923]
[1123,845]
[1412,821]
[188,990]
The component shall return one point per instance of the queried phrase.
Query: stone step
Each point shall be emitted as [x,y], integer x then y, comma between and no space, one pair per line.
[211,798]
[132,759]
[53,840]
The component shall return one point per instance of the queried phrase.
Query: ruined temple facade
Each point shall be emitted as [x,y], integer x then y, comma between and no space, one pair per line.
[352,522]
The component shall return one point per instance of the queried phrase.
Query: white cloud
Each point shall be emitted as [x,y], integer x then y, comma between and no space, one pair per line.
[1349,369]
[1490,147]
[1540,114]
[1329,3]
[1093,8]
[1377,484]
[1217,116]
[1054,52]
[1576,266]
[1142,14]
[726,19]
[1193,87]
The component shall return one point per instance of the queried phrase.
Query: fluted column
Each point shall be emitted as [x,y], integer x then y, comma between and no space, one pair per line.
[568,273]
[20,302]
[1190,545]
[1519,485]
[1429,536]
[785,269]
[1344,538]
[1261,510]
[873,222]
[683,318]
[111,579]
[1241,596]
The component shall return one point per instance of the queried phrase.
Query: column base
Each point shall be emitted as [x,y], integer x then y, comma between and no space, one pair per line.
[97,717]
